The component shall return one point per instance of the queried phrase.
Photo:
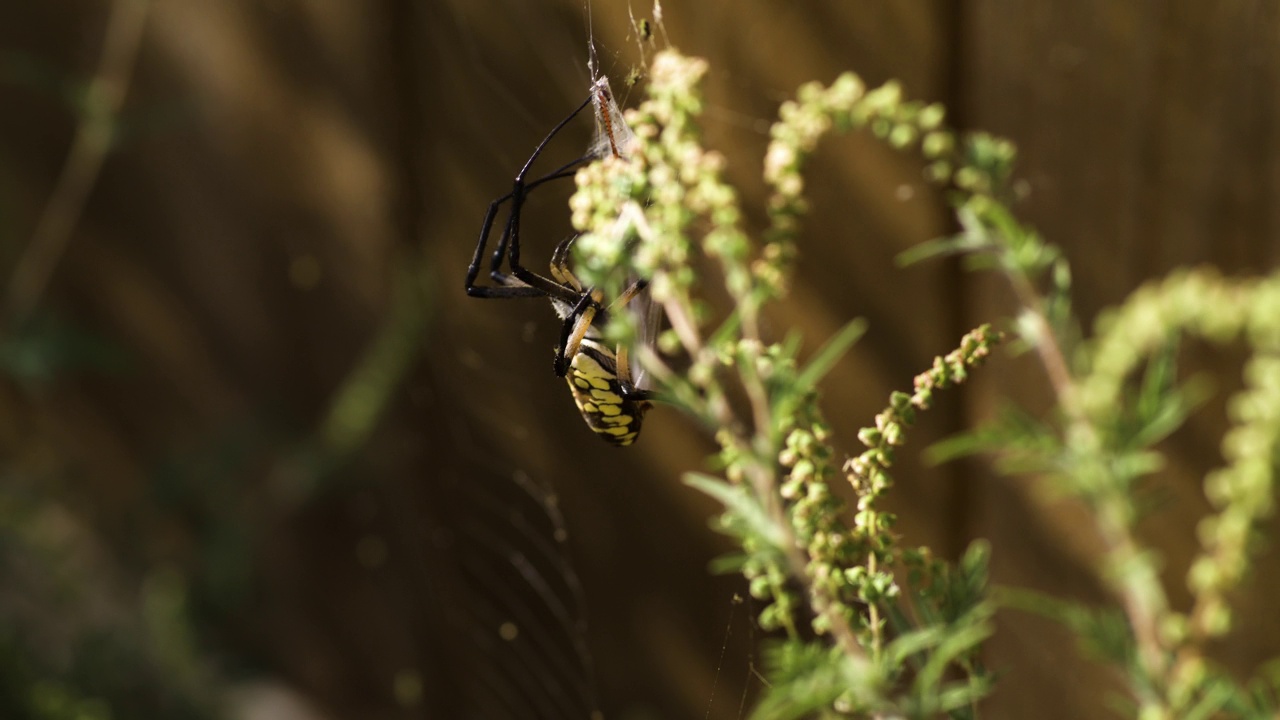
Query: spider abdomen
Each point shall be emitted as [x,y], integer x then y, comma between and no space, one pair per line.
[601,397]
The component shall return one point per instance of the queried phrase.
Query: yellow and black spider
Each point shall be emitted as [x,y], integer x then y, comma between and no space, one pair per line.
[605,386]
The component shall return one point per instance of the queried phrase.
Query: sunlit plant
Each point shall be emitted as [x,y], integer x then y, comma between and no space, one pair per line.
[866,626]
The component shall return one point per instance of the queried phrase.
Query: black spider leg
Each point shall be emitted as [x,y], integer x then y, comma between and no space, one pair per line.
[519,286]
[509,244]
[529,284]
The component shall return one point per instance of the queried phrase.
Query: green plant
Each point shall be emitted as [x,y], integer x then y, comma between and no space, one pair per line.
[870,628]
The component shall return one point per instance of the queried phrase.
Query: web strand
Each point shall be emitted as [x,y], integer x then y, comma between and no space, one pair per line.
[593,61]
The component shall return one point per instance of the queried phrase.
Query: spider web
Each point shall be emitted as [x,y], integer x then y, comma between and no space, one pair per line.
[524,606]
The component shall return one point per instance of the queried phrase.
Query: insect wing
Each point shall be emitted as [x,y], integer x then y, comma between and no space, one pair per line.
[647,315]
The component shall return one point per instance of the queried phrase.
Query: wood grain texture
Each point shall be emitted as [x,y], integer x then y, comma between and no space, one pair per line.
[1147,140]
[286,159]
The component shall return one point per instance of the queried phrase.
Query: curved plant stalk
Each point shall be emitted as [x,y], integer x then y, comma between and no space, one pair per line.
[653,214]
[890,641]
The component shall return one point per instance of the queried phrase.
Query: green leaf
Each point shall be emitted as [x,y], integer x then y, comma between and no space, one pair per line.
[1159,406]
[929,249]
[1103,632]
[902,623]
[955,697]
[744,515]
[1132,465]
[959,640]
[960,446]
[727,330]
[809,677]
[967,583]
[976,561]
[1158,381]
[1262,700]
[997,217]
[1159,417]
[976,241]
[730,564]
[823,360]
[899,652]
[1026,443]
[790,346]
[1217,694]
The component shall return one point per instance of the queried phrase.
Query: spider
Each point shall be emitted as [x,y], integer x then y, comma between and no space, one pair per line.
[604,386]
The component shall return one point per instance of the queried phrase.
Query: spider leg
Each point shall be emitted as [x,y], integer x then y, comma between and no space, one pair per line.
[576,325]
[629,389]
[512,237]
[517,205]
[560,265]
[507,287]
[631,292]
[525,283]
[504,289]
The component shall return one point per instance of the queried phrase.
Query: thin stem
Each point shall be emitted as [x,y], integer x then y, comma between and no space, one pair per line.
[684,326]
[1121,544]
[1115,533]
[1048,347]
[84,161]
[761,414]
[873,611]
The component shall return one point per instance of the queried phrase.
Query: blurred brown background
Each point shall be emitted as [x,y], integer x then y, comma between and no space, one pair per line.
[255,436]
